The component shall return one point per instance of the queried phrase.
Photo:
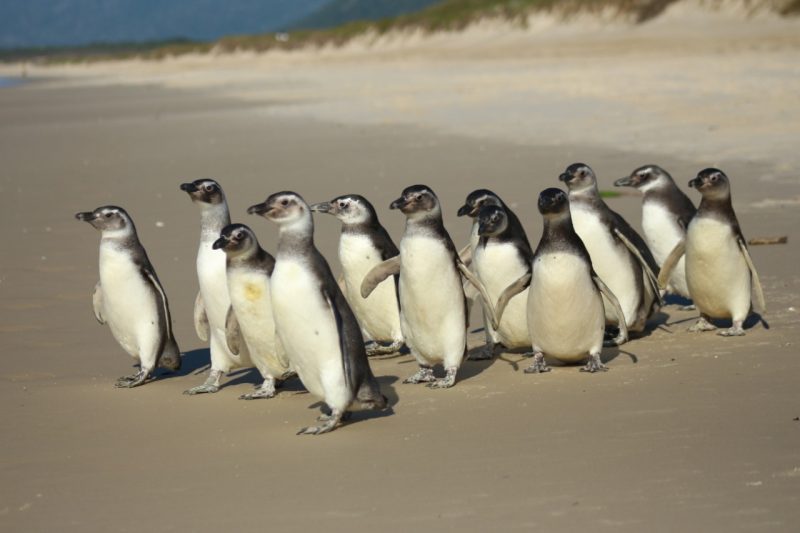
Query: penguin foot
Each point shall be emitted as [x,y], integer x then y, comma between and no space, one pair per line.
[539,365]
[266,390]
[375,348]
[209,387]
[128,382]
[331,422]
[423,375]
[690,307]
[702,324]
[325,417]
[487,352]
[734,331]
[594,365]
[447,381]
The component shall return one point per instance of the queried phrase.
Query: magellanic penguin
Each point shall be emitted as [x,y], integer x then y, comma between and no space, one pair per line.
[315,325]
[433,311]
[666,212]
[566,298]
[249,317]
[129,297]
[502,256]
[364,243]
[619,255]
[212,302]
[719,270]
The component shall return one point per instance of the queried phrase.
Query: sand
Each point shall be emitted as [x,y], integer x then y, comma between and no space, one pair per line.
[685,432]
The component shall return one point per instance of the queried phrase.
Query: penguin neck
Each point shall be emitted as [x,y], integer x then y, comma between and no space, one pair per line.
[214,217]
[558,231]
[296,235]
[429,223]
[119,238]
[717,203]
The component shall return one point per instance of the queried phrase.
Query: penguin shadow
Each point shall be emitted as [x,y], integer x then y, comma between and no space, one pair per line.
[192,362]
[387,389]
[676,300]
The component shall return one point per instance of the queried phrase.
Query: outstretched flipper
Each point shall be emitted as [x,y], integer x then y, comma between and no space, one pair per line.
[379,272]
[465,255]
[670,263]
[649,274]
[467,273]
[97,303]
[759,292]
[622,336]
[200,318]
[233,334]
[512,290]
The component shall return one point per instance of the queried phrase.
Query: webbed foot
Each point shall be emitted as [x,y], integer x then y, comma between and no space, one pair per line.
[539,365]
[128,382]
[447,381]
[376,348]
[702,324]
[594,364]
[330,422]
[210,386]
[266,390]
[423,375]
[736,330]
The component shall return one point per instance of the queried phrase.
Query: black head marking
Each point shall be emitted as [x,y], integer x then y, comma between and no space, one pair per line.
[553,201]
[477,199]
[109,218]
[712,183]
[205,191]
[418,201]
[492,220]
[579,177]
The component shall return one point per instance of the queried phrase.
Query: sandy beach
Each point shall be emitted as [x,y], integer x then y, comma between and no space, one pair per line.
[685,432]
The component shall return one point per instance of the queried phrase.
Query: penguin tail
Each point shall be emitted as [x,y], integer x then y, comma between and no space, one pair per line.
[170,356]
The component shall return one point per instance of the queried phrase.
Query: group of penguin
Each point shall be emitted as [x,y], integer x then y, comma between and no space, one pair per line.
[590,282]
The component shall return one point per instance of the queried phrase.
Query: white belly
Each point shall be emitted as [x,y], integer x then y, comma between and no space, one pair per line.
[250,298]
[378,316]
[431,302]
[565,310]
[307,329]
[716,272]
[611,261]
[662,233]
[129,305]
[213,282]
[498,266]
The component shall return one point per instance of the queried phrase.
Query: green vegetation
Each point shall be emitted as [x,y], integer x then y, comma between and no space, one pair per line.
[610,194]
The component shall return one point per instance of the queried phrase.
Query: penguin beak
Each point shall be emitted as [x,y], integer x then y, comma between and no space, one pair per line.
[85,216]
[564,177]
[483,228]
[695,183]
[258,209]
[188,187]
[219,243]
[322,207]
[465,210]
[624,182]
[400,203]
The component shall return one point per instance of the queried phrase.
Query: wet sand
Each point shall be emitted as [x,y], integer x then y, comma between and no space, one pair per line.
[685,432]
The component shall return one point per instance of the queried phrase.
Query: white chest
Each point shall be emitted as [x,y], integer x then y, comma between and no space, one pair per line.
[661,230]
[213,283]
[357,256]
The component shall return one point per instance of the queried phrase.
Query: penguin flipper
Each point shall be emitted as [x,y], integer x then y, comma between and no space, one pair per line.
[481,289]
[670,263]
[201,319]
[512,290]
[379,272]
[233,334]
[622,337]
[652,279]
[150,275]
[346,362]
[759,292]
[97,303]
[465,254]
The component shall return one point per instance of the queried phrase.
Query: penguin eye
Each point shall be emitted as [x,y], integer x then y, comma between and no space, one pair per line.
[714,177]
[284,202]
[108,215]
[209,188]
[342,205]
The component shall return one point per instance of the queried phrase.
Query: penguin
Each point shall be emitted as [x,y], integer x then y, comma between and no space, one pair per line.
[314,323]
[720,273]
[433,309]
[364,243]
[129,297]
[619,255]
[502,256]
[666,213]
[212,302]
[249,317]
[565,303]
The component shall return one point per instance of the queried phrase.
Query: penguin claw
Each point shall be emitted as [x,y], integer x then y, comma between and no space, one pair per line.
[202,389]
[732,332]
[128,382]
[539,365]
[376,348]
[331,422]
[266,390]
[594,365]
[423,375]
[702,325]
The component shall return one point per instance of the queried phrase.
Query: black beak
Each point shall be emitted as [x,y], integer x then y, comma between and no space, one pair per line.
[189,187]
[85,216]
[464,210]
[258,209]
[322,207]
[695,182]
[219,243]
[624,182]
[482,228]
[398,204]
[564,177]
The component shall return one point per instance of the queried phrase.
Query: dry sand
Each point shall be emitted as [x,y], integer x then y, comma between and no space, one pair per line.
[684,433]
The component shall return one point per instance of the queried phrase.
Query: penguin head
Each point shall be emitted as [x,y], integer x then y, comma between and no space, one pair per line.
[108,219]
[476,200]
[351,209]
[235,239]
[285,207]
[418,201]
[492,220]
[579,177]
[712,183]
[553,201]
[644,178]
[204,191]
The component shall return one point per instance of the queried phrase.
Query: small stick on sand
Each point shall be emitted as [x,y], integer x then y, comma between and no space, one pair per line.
[768,240]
